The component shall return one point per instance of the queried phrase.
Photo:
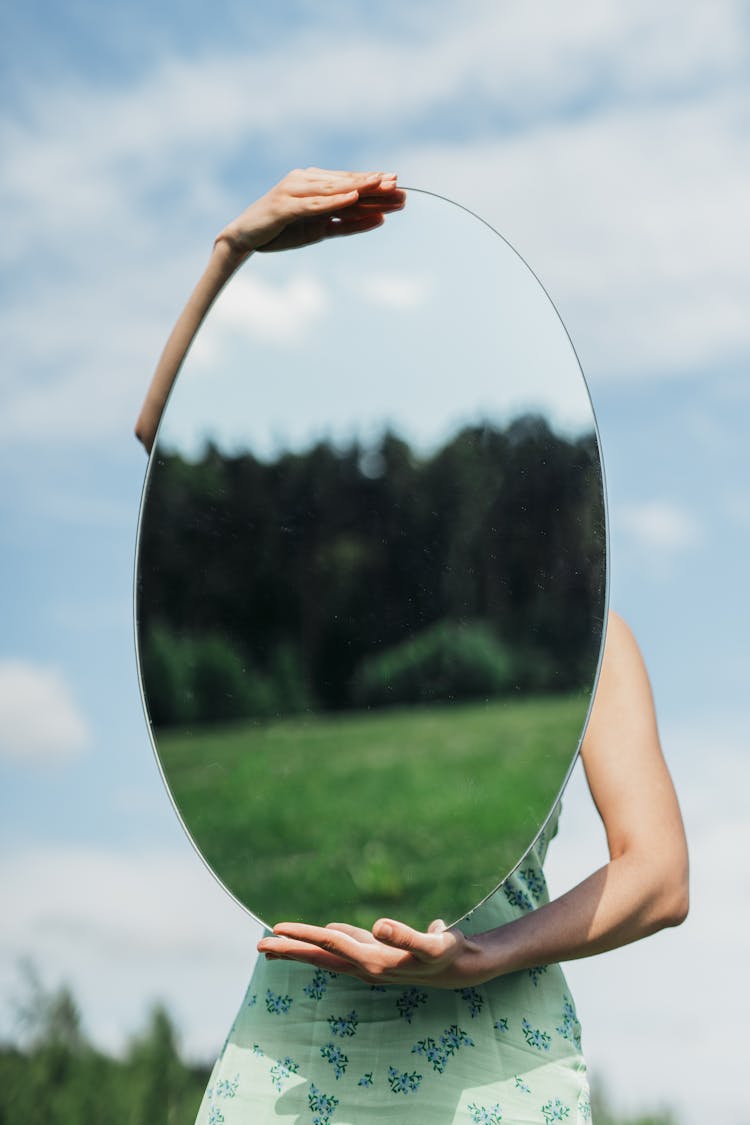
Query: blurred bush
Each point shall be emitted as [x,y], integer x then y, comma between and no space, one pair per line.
[451,660]
[205,678]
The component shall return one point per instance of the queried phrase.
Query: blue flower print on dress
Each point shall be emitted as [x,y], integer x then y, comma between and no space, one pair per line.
[473,998]
[485,1115]
[554,1111]
[215,1116]
[321,1105]
[280,1071]
[437,1054]
[570,1028]
[366,1079]
[517,898]
[344,1026]
[317,987]
[534,881]
[454,1037]
[534,1037]
[253,1000]
[277,1004]
[584,1106]
[520,1084]
[226,1088]
[258,1050]
[501,1025]
[409,1001]
[336,1057]
[401,1082]
[536,973]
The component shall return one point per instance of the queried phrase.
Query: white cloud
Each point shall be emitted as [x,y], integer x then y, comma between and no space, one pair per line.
[659,525]
[396,292]
[253,308]
[631,216]
[606,141]
[39,719]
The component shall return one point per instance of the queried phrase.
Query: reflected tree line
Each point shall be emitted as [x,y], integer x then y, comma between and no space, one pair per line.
[367,575]
[54,1075]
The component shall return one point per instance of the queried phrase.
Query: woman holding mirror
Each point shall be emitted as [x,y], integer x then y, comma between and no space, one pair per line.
[472,1023]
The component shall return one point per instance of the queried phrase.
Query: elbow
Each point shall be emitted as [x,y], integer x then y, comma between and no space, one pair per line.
[672,901]
[678,907]
[144,437]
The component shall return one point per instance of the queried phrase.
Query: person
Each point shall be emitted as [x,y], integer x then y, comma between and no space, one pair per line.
[472,1023]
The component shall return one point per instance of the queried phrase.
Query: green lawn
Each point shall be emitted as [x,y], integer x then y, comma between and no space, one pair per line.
[416,812]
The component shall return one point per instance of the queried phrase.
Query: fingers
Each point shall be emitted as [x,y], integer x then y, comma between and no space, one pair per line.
[334,940]
[353,931]
[424,946]
[320,181]
[284,949]
[338,948]
[386,201]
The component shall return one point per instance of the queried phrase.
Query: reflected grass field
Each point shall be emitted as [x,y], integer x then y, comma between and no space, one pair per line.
[416,812]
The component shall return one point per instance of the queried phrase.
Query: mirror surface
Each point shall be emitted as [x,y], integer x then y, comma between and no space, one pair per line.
[371,573]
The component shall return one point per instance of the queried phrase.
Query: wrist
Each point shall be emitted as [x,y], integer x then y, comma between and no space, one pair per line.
[232,248]
[491,955]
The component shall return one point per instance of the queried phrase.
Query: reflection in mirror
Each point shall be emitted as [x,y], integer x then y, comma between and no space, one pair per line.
[371,573]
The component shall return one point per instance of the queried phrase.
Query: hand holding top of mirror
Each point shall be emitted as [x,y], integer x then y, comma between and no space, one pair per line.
[390,953]
[305,207]
[313,204]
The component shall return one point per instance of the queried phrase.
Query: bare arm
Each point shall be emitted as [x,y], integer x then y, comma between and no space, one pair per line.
[643,888]
[305,207]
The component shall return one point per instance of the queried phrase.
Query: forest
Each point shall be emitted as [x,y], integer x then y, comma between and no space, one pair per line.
[365,575]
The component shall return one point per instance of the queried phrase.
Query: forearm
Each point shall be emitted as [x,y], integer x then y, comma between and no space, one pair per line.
[223,262]
[618,904]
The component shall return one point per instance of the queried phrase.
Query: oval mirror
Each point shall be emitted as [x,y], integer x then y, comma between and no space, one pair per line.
[371,573]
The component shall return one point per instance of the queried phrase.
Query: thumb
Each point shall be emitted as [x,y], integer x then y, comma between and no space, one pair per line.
[424,946]
[395,933]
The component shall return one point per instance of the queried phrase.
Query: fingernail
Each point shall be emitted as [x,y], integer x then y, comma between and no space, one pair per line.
[385,931]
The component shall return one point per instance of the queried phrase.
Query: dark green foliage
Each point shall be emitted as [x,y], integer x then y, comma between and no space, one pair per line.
[57,1078]
[166,672]
[160,1081]
[602,1112]
[312,564]
[448,661]
[201,679]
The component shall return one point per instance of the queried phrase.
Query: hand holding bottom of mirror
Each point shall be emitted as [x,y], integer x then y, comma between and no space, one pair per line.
[390,953]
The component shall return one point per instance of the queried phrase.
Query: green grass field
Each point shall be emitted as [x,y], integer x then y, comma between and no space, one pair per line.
[414,812]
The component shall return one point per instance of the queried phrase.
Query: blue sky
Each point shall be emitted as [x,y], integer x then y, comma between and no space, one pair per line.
[609,144]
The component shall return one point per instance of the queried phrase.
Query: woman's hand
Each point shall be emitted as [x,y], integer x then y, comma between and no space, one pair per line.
[305,207]
[310,205]
[391,953]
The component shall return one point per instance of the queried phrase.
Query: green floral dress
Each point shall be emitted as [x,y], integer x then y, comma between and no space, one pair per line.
[309,1047]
